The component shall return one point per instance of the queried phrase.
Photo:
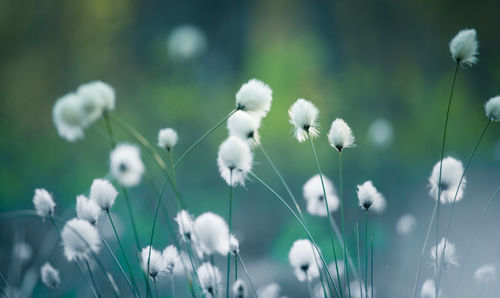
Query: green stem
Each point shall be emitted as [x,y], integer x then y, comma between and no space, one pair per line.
[110,131]
[235,267]
[248,275]
[366,252]
[359,259]
[172,285]
[132,221]
[343,229]
[156,288]
[86,278]
[372,286]
[228,271]
[92,277]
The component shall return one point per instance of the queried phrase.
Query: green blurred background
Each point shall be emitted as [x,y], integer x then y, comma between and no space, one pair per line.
[358,60]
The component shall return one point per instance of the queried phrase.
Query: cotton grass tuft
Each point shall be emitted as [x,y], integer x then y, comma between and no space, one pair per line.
[103,193]
[463,47]
[167,138]
[304,116]
[44,204]
[340,135]
[314,196]
[255,98]
[79,238]
[210,280]
[212,234]
[87,209]
[452,171]
[303,258]
[126,164]
[50,276]
[234,160]
[492,108]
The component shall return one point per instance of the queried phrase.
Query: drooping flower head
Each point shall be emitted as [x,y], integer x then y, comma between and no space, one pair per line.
[492,108]
[50,276]
[315,198]
[234,245]
[212,233]
[303,116]
[406,224]
[97,98]
[244,126]
[340,135]
[69,117]
[156,262]
[210,280]
[302,258]
[255,98]
[79,238]
[87,209]
[167,138]
[369,196]
[451,173]
[172,259]
[449,257]
[485,274]
[240,289]
[44,204]
[463,47]
[234,160]
[429,289]
[185,222]
[103,193]
[126,164]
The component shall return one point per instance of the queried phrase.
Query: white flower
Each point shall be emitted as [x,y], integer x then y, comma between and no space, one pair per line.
[50,276]
[186,224]
[22,251]
[449,258]
[333,269]
[255,98]
[156,262]
[429,289]
[234,160]
[303,116]
[240,289]
[318,291]
[379,204]
[486,273]
[314,196]
[97,98]
[87,209]
[381,132]
[186,42]
[451,173]
[340,135]
[244,126]
[103,193]
[212,233]
[302,258]
[358,292]
[79,238]
[167,138]
[271,290]
[406,224]
[234,245]
[172,259]
[463,47]
[368,196]
[44,204]
[126,164]
[69,117]
[210,280]
[492,108]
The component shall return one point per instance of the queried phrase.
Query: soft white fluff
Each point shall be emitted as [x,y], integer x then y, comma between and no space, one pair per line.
[185,222]
[358,292]
[486,273]
[87,209]
[302,258]
[271,290]
[429,289]
[244,126]
[449,257]
[369,197]
[333,269]
[44,204]
[381,132]
[492,108]
[50,276]
[340,135]
[303,116]
[212,233]
[22,251]
[463,47]
[210,280]
[126,164]
[315,199]
[156,262]
[240,289]
[167,138]
[103,193]
[234,160]
[234,245]
[97,98]
[255,98]
[186,42]
[69,117]
[79,239]
[172,259]
[451,173]
[406,224]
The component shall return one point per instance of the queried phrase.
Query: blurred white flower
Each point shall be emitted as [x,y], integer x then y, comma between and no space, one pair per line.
[167,138]
[463,47]
[485,274]
[368,196]
[240,289]
[50,276]
[381,132]
[186,42]
[358,290]
[449,257]
[87,209]
[406,224]
[451,173]
[271,290]
[302,258]
[97,98]
[333,269]
[234,245]
[492,108]
[69,117]
[172,259]
[156,262]
[340,135]
[429,289]
[185,222]
[318,291]
[210,280]
[22,251]
[103,193]
[126,164]
[303,116]
[234,160]
[244,126]
[212,233]
[255,98]
[44,204]
[79,238]
[314,196]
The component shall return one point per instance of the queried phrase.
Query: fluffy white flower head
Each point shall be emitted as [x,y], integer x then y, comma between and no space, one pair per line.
[210,280]
[451,173]
[315,198]
[492,108]
[368,196]
[185,222]
[172,259]
[303,116]
[212,233]
[186,42]
[126,164]
[244,126]
[50,276]
[156,262]
[87,209]
[271,290]
[167,138]
[340,135]
[79,238]
[406,224]
[234,160]
[429,289]
[302,258]
[103,193]
[357,293]
[69,117]
[463,47]
[97,98]
[486,273]
[234,245]
[255,98]
[240,289]
[44,204]
[449,257]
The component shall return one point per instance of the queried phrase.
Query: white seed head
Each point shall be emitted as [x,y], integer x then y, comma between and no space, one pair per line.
[429,289]
[210,280]
[50,276]
[97,98]
[103,193]
[255,98]
[452,171]
[69,117]
[271,290]
[333,269]
[406,224]
[463,47]
[185,222]
[240,289]
[315,198]
[340,135]
[449,257]
[156,262]
[172,259]
[302,258]
[234,245]
[87,209]
[211,234]
[79,239]
[126,164]
[492,108]
[369,197]
[485,274]
[303,116]
[186,42]
[234,160]
[44,204]
[381,132]
[358,290]
[241,124]
[167,138]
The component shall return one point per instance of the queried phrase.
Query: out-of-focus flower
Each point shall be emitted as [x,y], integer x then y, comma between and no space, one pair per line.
[381,132]
[126,164]
[212,233]
[167,138]
[210,280]
[303,258]
[87,209]
[448,258]
[240,289]
[44,204]
[406,224]
[486,273]
[185,222]
[492,108]
[69,117]
[452,171]
[156,262]
[103,193]
[244,126]
[186,43]
[50,276]
[315,198]
[79,238]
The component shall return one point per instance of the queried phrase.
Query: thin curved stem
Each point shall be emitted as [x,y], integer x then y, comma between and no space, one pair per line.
[228,270]
[172,283]
[371,266]
[343,228]
[86,278]
[359,259]
[92,277]
[132,221]
[248,275]
[366,252]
